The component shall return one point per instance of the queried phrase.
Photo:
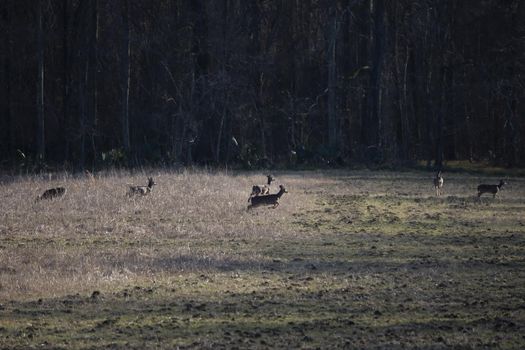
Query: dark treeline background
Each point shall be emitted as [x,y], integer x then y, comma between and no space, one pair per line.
[85,84]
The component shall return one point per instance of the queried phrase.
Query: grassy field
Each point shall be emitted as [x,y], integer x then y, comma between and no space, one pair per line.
[353,259]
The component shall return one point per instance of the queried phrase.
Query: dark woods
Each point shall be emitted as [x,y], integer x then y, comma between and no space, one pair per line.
[88,84]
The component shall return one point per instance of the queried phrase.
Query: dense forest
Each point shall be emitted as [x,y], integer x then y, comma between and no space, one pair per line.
[94,83]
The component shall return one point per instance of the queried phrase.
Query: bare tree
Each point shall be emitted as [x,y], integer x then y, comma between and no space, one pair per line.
[125,79]
[8,66]
[64,125]
[333,120]
[41,145]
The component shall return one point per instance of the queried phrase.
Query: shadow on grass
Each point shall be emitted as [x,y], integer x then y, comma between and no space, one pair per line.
[276,318]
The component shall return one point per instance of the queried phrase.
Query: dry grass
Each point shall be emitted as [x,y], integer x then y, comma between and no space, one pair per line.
[349,259]
[96,235]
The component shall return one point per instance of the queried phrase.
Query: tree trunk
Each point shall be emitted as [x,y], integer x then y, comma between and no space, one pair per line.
[125,82]
[349,62]
[440,121]
[64,125]
[223,68]
[219,136]
[333,122]
[82,89]
[40,85]
[257,77]
[374,102]
[405,123]
[401,72]
[511,142]
[92,79]
[363,60]
[261,114]
[428,73]
[200,67]
[429,119]
[8,126]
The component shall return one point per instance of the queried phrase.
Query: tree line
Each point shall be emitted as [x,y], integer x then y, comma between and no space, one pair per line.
[91,83]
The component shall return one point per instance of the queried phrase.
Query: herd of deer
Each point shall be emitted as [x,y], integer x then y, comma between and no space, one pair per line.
[261,196]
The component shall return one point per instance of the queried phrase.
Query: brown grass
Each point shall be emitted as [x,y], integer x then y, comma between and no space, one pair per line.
[96,236]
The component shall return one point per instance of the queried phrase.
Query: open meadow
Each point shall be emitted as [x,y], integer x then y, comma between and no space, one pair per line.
[350,259]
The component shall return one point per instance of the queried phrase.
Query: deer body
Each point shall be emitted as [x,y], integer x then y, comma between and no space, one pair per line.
[269,199]
[494,189]
[141,190]
[53,193]
[438,183]
[261,189]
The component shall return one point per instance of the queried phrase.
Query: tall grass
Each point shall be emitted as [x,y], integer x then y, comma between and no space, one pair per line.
[96,236]
[193,221]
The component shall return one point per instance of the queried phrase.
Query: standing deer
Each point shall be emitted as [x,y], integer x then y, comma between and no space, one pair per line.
[494,189]
[261,189]
[438,183]
[142,190]
[269,199]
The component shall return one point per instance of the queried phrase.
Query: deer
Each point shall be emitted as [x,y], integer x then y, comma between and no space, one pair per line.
[52,193]
[141,190]
[261,189]
[269,199]
[494,189]
[438,183]
[89,175]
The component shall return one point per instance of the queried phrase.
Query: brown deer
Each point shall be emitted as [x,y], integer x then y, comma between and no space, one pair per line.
[269,199]
[141,190]
[494,189]
[438,183]
[261,189]
[53,193]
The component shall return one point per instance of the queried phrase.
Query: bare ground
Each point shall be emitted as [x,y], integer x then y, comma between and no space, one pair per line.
[348,260]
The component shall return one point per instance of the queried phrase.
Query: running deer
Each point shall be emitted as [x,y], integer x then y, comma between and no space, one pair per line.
[53,193]
[438,183]
[261,189]
[494,189]
[142,190]
[269,199]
